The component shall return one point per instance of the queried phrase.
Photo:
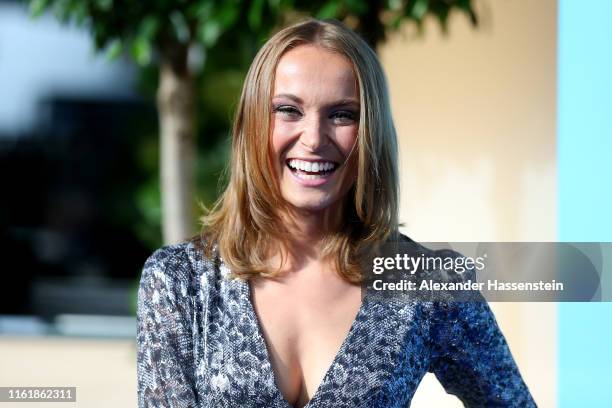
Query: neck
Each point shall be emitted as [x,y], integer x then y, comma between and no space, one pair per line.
[307,230]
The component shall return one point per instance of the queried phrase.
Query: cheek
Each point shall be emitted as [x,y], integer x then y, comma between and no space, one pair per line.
[280,139]
[346,137]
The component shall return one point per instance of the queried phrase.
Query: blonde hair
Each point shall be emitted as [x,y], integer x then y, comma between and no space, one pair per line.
[244,223]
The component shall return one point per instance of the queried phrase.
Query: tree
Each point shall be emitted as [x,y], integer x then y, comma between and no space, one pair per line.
[172,35]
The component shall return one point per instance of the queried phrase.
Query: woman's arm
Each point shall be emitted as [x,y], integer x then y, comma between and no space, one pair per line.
[471,358]
[166,372]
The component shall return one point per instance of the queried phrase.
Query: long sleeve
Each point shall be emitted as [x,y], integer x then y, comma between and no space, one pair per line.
[165,364]
[471,359]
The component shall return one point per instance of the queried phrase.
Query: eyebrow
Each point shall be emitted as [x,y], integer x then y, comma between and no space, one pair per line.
[341,102]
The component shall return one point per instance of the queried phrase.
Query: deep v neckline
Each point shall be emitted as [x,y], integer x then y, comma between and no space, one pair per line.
[261,343]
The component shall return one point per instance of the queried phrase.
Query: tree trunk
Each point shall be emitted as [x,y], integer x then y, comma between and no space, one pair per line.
[176,108]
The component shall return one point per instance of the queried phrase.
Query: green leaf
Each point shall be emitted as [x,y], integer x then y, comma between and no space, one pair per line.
[396,22]
[419,8]
[255,14]
[61,10]
[209,32]
[329,10]
[141,51]
[443,19]
[466,7]
[100,34]
[80,12]
[201,10]
[358,7]
[148,28]
[104,5]
[37,7]
[114,50]
[228,13]
[181,30]
[395,5]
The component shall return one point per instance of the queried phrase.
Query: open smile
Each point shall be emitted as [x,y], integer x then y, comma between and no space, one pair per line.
[311,169]
[312,173]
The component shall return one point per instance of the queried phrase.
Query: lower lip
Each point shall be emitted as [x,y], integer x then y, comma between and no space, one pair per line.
[311,182]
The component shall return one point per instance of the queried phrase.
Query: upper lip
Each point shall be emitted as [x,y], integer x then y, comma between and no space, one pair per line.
[311,160]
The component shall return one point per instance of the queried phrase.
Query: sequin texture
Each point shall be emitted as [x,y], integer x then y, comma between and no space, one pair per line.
[200,345]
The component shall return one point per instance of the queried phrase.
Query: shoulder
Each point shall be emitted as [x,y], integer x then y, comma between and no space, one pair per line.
[178,267]
[443,263]
[409,243]
[426,272]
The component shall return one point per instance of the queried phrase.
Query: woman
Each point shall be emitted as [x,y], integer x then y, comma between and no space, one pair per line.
[264,309]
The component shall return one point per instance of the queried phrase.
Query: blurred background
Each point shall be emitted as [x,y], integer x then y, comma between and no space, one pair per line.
[114,123]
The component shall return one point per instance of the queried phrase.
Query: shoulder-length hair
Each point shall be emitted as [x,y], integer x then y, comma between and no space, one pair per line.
[244,225]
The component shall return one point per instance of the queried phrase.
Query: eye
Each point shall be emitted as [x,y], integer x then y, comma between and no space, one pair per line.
[287,111]
[344,117]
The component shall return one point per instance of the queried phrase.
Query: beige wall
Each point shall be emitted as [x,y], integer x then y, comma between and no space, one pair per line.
[475,114]
[103,371]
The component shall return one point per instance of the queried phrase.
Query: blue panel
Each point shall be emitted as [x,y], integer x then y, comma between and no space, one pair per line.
[585,190]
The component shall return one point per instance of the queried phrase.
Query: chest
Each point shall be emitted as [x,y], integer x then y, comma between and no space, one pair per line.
[304,326]
[283,357]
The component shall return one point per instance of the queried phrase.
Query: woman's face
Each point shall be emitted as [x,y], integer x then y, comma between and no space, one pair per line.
[315,118]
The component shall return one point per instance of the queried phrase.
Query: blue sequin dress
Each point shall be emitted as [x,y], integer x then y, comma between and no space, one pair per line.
[200,345]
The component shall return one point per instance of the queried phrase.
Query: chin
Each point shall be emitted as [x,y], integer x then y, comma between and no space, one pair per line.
[309,203]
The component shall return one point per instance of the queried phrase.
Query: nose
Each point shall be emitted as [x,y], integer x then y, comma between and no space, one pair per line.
[315,134]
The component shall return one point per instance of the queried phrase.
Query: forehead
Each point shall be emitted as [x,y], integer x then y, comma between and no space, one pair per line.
[308,69]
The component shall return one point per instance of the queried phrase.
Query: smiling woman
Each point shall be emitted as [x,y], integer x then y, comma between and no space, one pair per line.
[315,94]
[264,307]
[314,128]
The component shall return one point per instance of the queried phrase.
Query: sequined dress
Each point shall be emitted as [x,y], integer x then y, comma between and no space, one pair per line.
[200,345]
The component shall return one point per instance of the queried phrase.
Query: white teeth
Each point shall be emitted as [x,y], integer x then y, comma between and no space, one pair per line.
[309,176]
[311,167]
